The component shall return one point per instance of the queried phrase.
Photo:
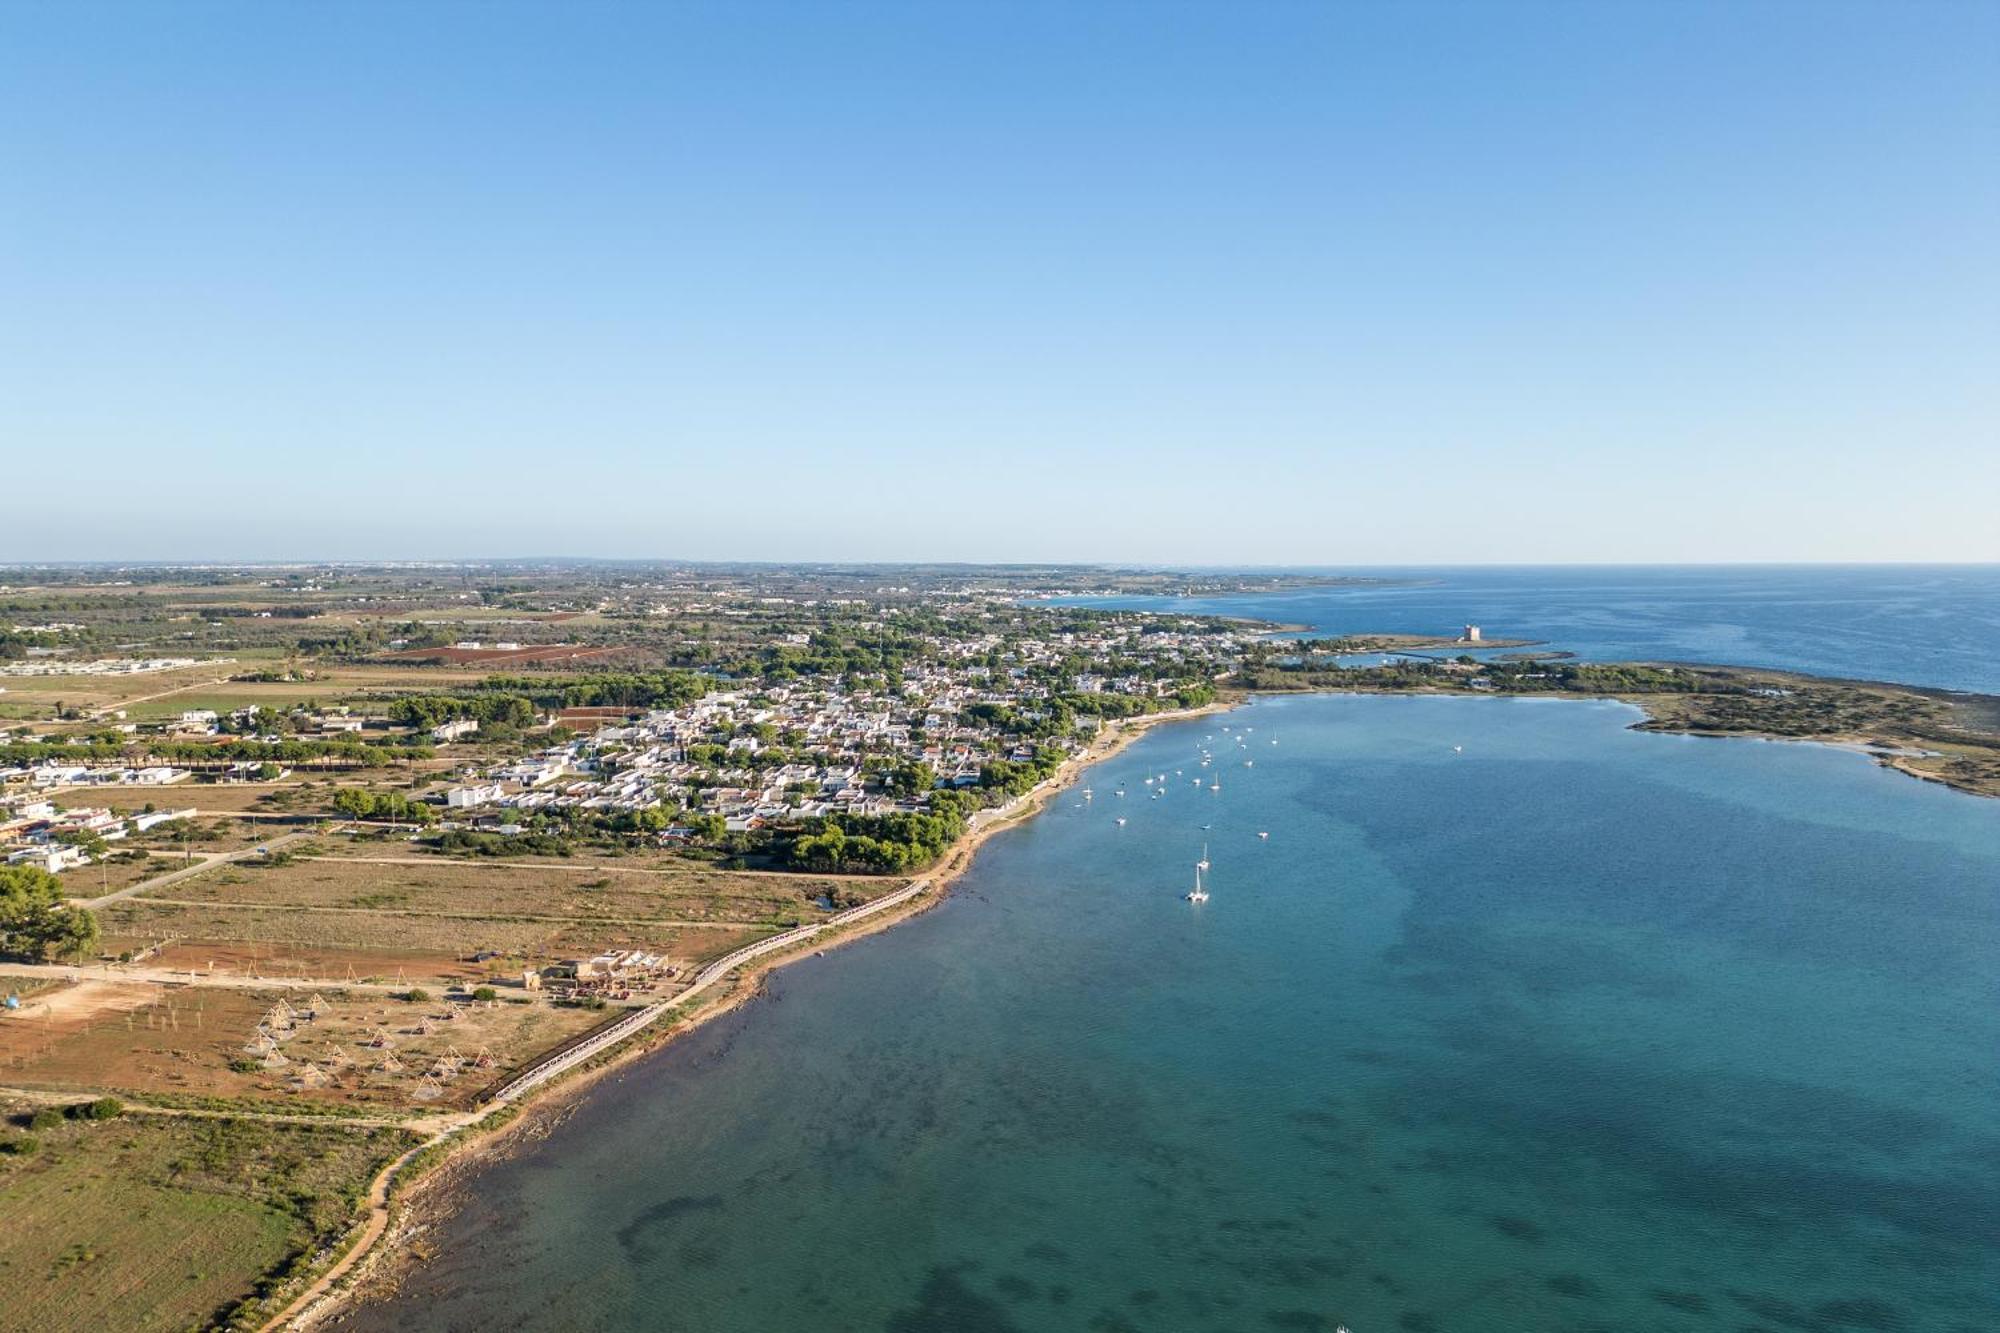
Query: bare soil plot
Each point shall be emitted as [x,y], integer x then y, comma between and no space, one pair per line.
[57,1008]
[346,1047]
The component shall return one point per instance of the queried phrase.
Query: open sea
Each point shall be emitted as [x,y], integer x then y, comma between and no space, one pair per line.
[1519,1020]
[1915,624]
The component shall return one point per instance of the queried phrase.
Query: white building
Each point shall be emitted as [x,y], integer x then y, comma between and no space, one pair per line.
[460,798]
[451,731]
[52,857]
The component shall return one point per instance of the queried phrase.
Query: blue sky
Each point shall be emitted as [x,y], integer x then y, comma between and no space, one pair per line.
[1242,282]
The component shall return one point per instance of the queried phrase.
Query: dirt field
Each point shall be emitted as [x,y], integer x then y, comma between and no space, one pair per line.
[282,936]
[583,892]
[207,797]
[225,1042]
[216,833]
[162,694]
[156,1223]
[87,691]
[305,962]
[120,871]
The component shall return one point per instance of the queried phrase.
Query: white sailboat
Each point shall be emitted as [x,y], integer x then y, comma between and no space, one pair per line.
[1203,863]
[1197,894]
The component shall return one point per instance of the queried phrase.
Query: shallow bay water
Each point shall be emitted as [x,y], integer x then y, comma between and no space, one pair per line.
[1573,1028]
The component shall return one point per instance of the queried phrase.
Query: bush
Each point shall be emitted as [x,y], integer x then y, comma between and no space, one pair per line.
[46,1118]
[417,995]
[485,993]
[104,1108]
[21,1147]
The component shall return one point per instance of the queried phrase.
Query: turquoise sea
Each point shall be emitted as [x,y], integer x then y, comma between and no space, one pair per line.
[1917,624]
[1570,1029]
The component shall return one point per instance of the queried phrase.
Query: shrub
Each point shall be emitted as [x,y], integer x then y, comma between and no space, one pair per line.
[485,993]
[46,1118]
[417,995]
[21,1147]
[104,1108]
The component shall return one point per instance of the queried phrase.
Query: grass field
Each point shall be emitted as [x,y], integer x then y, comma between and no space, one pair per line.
[163,694]
[281,936]
[581,891]
[161,1223]
[207,797]
[119,871]
[383,910]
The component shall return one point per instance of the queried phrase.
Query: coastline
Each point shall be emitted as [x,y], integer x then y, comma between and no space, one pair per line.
[362,1267]
[403,1210]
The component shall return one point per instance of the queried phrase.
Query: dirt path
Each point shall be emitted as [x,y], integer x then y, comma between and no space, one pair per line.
[169,976]
[210,861]
[109,709]
[43,1097]
[371,1232]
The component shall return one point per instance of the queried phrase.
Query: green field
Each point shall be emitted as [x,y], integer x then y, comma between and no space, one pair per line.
[155,1222]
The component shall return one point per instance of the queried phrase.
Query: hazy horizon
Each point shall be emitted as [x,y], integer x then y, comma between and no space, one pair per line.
[920,562]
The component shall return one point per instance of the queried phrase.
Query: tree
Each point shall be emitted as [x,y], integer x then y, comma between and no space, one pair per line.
[36,922]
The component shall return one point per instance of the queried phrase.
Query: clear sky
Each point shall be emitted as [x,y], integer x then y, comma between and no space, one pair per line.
[1240,282]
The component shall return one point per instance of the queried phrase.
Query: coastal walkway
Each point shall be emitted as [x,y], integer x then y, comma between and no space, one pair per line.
[322,1295]
[532,1078]
[316,1298]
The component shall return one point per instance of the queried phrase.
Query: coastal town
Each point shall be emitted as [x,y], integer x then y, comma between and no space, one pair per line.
[359,858]
[365,843]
